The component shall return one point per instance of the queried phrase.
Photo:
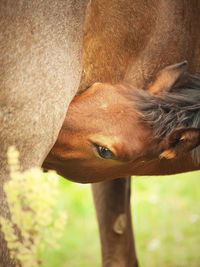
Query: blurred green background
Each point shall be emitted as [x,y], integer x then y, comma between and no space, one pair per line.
[166,216]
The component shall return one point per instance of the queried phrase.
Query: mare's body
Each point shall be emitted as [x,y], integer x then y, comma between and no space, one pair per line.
[40,51]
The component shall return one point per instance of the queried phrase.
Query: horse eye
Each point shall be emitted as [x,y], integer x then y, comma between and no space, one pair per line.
[104,152]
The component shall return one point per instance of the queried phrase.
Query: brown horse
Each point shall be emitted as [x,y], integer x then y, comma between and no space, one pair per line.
[117,130]
[128,44]
[132,42]
[40,70]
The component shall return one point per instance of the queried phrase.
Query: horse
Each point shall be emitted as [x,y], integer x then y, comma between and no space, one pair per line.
[40,71]
[118,130]
[41,51]
[127,45]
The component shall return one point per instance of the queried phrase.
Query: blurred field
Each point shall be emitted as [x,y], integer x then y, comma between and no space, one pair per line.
[166,215]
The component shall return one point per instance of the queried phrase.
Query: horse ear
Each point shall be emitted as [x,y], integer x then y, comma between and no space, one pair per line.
[181,141]
[167,78]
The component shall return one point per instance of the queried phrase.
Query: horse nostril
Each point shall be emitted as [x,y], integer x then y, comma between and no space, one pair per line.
[104,152]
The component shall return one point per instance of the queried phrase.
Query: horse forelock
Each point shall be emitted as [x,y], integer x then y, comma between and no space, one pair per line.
[170,110]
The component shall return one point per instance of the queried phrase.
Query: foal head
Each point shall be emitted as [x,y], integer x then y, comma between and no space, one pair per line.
[115,131]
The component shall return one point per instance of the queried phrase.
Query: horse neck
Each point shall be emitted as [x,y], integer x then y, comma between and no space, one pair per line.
[114,33]
[174,38]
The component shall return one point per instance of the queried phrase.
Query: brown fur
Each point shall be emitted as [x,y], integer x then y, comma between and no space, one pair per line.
[126,121]
[132,41]
[115,32]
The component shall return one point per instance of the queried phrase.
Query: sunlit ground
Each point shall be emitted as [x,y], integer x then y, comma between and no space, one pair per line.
[166,215]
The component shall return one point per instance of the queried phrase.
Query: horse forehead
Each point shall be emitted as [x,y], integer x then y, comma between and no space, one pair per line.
[134,138]
[118,120]
[106,93]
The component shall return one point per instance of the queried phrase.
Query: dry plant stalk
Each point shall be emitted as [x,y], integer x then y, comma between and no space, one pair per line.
[34,221]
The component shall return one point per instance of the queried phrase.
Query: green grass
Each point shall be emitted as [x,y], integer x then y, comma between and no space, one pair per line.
[166,215]
[167,220]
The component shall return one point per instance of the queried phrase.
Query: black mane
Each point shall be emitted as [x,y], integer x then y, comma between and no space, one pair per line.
[170,110]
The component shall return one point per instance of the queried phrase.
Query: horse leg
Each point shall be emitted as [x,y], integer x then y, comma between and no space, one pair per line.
[112,202]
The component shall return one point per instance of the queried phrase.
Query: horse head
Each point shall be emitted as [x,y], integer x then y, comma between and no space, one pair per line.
[118,130]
